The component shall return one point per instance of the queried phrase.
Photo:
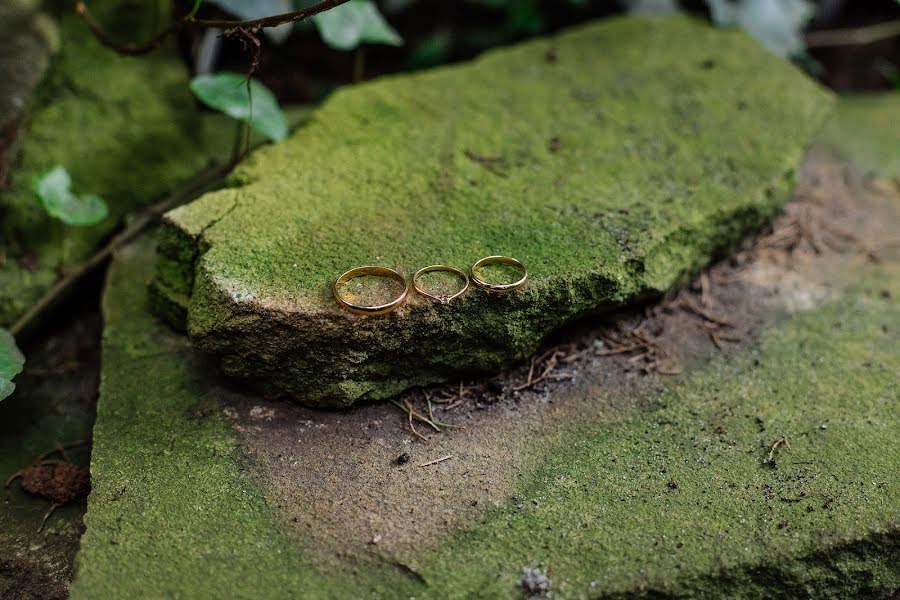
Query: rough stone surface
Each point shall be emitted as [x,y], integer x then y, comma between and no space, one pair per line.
[658,488]
[611,159]
[125,128]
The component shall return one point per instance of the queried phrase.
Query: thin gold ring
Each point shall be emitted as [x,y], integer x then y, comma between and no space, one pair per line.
[499,288]
[377,309]
[442,299]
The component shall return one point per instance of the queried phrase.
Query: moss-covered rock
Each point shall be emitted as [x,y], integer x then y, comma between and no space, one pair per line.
[126,129]
[671,496]
[611,159]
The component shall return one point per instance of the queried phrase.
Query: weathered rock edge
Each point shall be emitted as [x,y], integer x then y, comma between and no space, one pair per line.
[612,159]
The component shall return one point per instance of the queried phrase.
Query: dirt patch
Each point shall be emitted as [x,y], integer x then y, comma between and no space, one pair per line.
[385,480]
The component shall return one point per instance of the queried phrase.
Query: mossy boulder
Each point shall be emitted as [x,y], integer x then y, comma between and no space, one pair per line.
[669,494]
[125,128]
[611,159]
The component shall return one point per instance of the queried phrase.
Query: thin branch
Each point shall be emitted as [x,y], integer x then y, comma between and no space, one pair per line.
[856,36]
[272,21]
[107,40]
[230,26]
[436,461]
[141,222]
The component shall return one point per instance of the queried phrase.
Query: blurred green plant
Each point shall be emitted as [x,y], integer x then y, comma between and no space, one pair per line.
[11,363]
[357,22]
[54,190]
[246,100]
[777,24]
[344,27]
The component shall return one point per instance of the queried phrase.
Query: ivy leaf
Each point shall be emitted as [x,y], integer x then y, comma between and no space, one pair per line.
[357,22]
[53,189]
[11,362]
[227,92]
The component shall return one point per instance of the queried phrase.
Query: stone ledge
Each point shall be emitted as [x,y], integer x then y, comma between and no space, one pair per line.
[612,166]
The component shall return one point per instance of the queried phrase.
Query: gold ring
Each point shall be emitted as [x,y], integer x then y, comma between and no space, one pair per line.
[432,268]
[500,288]
[378,309]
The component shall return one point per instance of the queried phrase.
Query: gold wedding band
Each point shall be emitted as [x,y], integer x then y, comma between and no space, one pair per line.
[500,288]
[378,309]
[443,299]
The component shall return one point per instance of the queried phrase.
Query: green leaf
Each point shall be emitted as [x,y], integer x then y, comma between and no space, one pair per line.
[227,92]
[53,189]
[357,22]
[11,362]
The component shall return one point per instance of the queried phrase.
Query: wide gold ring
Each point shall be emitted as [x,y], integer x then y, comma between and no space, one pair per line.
[443,299]
[378,309]
[500,288]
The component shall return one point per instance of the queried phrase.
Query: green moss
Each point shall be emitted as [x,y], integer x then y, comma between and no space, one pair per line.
[865,132]
[172,512]
[681,503]
[677,501]
[126,129]
[611,172]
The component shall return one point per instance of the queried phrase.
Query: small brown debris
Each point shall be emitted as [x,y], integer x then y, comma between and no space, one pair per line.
[58,481]
[29,260]
[554,144]
[402,459]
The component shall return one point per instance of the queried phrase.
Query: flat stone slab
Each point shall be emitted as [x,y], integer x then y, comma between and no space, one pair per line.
[611,159]
[611,483]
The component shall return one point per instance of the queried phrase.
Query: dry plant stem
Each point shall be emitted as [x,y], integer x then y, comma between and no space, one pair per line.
[53,507]
[436,461]
[704,289]
[412,415]
[770,459]
[230,26]
[853,36]
[435,421]
[141,222]
[701,312]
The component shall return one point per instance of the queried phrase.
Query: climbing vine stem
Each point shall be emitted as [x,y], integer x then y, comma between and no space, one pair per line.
[228,26]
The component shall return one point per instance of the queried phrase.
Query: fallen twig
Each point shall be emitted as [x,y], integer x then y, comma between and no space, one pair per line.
[229,26]
[702,312]
[436,461]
